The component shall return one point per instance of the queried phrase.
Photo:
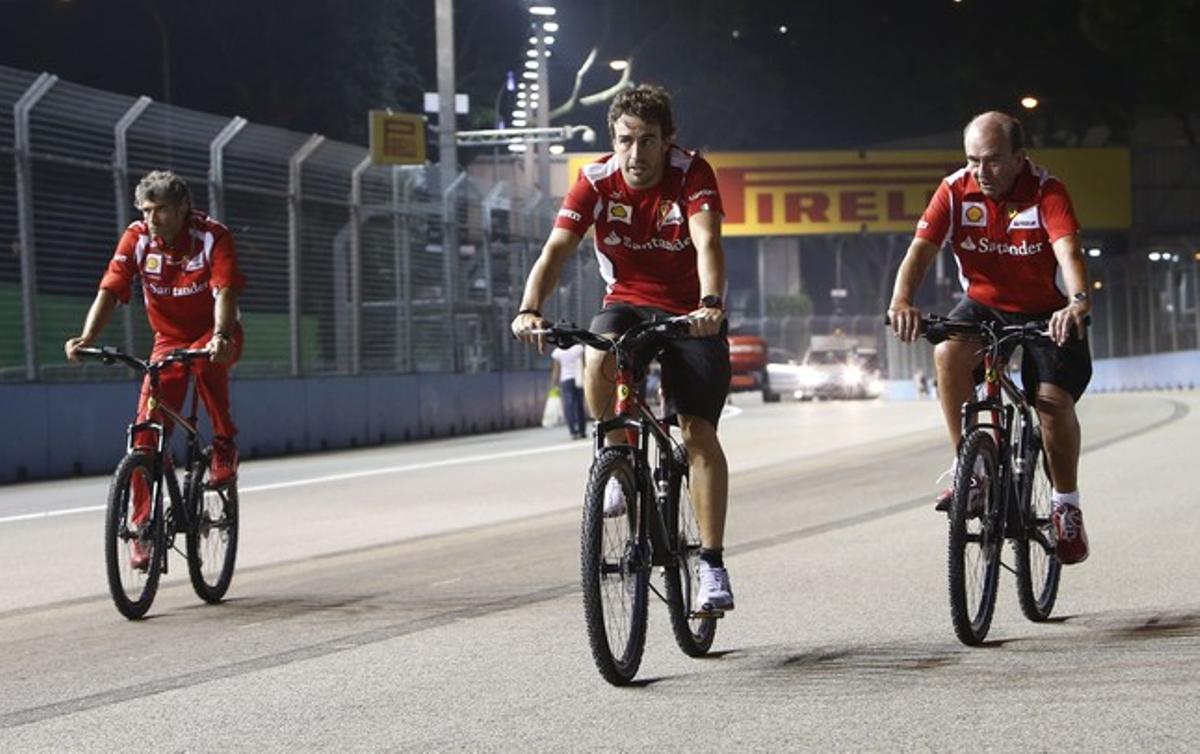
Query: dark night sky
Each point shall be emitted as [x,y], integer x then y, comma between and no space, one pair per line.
[845,74]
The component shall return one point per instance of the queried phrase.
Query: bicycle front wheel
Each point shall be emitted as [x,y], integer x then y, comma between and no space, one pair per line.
[616,570]
[133,549]
[1038,569]
[976,533]
[212,538]
[693,635]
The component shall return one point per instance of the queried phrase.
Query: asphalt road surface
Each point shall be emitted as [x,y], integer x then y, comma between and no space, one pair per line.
[425,597]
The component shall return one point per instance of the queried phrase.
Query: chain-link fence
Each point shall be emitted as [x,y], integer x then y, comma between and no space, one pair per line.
[352,267]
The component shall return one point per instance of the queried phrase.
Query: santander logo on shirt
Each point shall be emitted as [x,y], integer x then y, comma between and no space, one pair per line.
[987,245]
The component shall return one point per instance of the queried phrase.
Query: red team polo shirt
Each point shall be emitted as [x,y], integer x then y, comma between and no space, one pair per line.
[1004,248]
[643,244]
[178,283]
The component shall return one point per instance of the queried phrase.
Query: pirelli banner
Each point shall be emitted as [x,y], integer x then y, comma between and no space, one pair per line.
[803,193]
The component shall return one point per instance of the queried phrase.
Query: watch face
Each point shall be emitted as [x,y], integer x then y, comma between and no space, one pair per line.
[711,301]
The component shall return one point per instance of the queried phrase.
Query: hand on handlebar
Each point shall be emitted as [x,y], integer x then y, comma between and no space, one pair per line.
[72,346]
[1072,315]
[219,349]
[523,327]
[705,321]
[905,320]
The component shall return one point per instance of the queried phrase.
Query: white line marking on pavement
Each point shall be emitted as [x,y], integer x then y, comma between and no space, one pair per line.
[328,478]
[728,412]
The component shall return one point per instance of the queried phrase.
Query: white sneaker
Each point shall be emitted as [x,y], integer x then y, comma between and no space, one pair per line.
[614,499]
[715,593]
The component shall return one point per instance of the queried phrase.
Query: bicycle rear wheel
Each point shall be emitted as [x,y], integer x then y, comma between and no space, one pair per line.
[132,586]
[212,538]
[1038,569]
[615,567]
[976,533]
[693,635]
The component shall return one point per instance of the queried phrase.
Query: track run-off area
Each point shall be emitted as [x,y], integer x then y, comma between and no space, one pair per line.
[426,597]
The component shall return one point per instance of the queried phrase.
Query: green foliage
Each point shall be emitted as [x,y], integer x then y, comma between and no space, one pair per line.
[791,305]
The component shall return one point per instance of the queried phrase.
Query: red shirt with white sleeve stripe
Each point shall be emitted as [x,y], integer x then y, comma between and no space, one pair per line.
[642,240]
[1004,247]
[178,283]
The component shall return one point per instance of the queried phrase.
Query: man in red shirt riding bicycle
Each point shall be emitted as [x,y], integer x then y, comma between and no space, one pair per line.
[657,216]
[1012,229]
[190,282]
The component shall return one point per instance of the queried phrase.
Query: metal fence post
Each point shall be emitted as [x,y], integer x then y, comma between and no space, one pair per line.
[24,169]
[294,222]
[450,263]
[356,221]
[121,188]
[216,167]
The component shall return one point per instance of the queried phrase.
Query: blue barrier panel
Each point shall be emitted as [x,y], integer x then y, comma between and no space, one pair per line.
[274,416]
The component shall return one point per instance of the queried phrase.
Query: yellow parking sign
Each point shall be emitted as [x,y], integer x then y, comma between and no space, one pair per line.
[397,138]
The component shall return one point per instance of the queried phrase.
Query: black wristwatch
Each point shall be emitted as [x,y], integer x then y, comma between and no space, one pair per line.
[712,301]
[1079,298]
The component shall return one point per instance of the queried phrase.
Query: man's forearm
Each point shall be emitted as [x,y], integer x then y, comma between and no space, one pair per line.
[912,271]
[225,311]
[98,315]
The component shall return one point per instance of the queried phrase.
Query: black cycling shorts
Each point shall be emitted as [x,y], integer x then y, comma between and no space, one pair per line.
[695,371]
[1068,366]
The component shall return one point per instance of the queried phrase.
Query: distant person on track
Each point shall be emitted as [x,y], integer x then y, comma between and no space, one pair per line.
[657,215]
[1012,229]
[566,373]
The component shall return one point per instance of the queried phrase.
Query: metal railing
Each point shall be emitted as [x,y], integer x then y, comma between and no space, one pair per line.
[352,268]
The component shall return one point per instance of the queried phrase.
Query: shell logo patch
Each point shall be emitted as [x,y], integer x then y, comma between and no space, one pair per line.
[974,214]
[153,264]
[620,212]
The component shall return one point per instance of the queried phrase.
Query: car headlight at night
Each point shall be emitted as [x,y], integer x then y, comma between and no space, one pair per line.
[852,376]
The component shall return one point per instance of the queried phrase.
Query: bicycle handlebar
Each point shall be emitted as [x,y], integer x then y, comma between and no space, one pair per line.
[110,355]
[566,334]
[936,328]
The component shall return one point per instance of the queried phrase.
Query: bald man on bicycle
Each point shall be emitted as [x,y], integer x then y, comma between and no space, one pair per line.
[1012,228]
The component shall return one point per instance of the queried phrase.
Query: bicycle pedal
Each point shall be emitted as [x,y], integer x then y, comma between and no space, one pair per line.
[706,614]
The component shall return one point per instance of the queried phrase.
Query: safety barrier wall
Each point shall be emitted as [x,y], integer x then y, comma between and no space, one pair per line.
[1165,371]
[58,430]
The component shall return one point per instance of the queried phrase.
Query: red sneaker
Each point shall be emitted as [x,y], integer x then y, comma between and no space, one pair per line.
[222,469]
[139,555]
[1072,544]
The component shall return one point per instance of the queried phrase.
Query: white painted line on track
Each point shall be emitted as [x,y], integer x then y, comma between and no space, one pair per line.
[729,411]
[330,478]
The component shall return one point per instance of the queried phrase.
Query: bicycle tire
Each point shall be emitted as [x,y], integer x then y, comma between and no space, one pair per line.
[976,534]
[693,635]
[132,589]
[212,538]
[615,568]
[1038,570]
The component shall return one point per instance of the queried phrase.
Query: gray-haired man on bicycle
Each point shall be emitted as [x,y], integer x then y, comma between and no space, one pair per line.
[1012,229]
[657,213]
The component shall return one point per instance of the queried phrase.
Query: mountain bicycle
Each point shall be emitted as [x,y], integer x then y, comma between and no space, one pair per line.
[1002,486]
[658,527]
[207,516]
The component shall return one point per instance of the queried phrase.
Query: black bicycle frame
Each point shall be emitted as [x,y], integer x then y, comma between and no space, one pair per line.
[162,467]
[639,423]
[999,385]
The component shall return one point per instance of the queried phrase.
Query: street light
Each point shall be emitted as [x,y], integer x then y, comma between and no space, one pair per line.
[1029,102]
[618,65]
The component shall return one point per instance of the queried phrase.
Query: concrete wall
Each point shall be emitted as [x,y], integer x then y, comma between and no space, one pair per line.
[56,430]
[1164,371]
